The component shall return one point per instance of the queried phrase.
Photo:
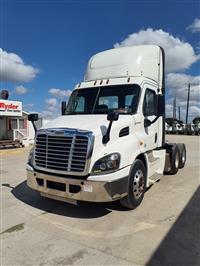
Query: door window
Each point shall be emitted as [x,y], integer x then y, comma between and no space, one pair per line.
[149,106]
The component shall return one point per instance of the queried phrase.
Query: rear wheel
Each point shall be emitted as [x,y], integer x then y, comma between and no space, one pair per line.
[174,160]
[182,152]
[136,186]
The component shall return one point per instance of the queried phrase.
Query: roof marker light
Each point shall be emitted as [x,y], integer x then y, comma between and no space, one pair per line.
[95,82]
[128,80]
[107,81]
[101,82]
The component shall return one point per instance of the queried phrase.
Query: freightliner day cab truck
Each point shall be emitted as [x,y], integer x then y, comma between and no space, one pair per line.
[109,144]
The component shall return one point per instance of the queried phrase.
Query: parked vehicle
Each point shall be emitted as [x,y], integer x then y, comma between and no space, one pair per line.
[177,129]
[109,143]
[197,129]
[168,128]
[191,129]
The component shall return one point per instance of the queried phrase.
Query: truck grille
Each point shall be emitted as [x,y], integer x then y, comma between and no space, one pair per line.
[64,154]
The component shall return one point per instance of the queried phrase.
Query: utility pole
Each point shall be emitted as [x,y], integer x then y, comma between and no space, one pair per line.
[179,113]
[174,108]
[188,101]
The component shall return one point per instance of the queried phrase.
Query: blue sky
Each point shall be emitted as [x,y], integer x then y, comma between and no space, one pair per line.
[56,38]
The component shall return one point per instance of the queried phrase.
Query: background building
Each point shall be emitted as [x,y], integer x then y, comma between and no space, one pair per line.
[14,124]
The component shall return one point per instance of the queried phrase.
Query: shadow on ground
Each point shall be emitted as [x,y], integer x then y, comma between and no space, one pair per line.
[83,210]
[181,246]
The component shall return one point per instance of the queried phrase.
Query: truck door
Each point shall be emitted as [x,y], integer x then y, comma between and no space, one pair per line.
[149,112]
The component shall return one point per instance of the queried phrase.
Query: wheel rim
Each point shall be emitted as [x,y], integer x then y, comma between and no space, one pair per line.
[177,160]
[138,184]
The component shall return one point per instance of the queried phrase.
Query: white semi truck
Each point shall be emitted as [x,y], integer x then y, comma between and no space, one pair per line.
[109,143]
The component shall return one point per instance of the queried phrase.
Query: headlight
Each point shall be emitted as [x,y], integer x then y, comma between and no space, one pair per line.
[109,163]
[30,157]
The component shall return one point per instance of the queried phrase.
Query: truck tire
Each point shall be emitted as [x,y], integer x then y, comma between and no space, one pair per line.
[174,160]
[182,152]
[136,186]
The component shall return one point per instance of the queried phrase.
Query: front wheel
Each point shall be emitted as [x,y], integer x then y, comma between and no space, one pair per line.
[136,186]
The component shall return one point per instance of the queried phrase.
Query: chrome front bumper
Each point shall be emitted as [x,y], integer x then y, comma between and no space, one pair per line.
[75,189]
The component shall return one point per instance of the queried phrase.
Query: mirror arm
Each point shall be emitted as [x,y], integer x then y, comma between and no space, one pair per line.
[34,126]
[106,137]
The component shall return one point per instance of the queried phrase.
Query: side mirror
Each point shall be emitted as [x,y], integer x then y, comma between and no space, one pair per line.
[113,116]
[63,108]
[32,117]
[147,122]
[160,105]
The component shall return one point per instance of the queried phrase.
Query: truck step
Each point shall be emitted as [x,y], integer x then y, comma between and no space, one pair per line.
[154,178]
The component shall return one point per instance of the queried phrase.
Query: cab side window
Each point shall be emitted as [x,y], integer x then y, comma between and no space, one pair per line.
[149,105]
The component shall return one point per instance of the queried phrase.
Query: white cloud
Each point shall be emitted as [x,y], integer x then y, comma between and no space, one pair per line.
[194,110]
[60,93]
[51,102]
[47,115]
[51,111]
[180,55]
[21,90]
[29,108]
[12,68]
[168,109]
[177,86]
[195,26]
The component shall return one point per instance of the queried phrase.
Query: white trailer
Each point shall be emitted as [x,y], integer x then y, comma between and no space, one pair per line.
[109,143]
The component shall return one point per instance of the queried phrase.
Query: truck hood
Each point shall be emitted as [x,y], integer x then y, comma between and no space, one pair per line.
[95,123]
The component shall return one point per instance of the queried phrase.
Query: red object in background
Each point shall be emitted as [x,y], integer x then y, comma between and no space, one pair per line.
[25,123]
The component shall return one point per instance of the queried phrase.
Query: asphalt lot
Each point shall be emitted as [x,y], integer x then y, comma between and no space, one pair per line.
[164,230]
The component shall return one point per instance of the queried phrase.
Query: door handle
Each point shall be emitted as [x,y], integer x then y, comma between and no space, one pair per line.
[156,137]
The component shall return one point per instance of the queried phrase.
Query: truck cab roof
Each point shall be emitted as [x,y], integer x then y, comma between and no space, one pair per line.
[145,61]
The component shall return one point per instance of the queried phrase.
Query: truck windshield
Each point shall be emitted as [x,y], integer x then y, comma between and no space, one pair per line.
[102,100]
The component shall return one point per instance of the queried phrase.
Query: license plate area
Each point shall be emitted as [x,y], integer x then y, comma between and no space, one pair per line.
[56,185]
